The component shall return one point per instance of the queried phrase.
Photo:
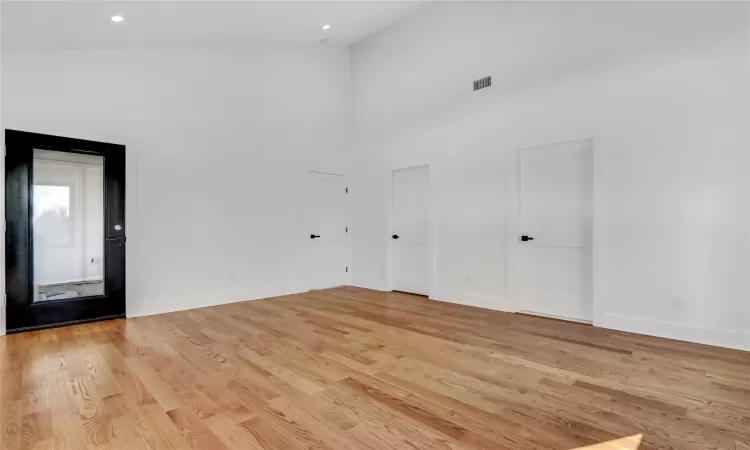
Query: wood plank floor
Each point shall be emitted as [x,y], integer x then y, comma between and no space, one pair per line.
[349,368]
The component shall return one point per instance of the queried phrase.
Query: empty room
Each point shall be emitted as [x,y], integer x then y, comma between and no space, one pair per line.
[518,225]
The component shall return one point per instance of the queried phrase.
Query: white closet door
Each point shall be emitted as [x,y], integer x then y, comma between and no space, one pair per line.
[410,230]
[329,242]
[556,230]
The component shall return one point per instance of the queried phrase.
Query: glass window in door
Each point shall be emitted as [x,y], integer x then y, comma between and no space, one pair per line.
[68,225]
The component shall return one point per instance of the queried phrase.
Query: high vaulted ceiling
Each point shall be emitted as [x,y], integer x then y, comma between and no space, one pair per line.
[77,24]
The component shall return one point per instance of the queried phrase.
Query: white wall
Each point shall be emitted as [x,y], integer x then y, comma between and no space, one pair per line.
[219,145]
[663,89]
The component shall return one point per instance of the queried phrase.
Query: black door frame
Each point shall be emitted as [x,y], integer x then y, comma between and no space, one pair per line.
[22,313]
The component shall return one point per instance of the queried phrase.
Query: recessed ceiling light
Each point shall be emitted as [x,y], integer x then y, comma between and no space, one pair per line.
[117,18]
[326,27]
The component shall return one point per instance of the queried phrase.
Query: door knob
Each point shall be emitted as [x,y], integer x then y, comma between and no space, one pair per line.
[313,236]
[395,236]
[526,238]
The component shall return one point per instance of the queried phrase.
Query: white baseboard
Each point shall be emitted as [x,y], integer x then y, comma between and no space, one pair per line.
[373,287]
[709,336]
[203,301]
[552,316]
[478,300]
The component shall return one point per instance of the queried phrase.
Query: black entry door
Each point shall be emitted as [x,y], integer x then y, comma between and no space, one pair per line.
[65,230]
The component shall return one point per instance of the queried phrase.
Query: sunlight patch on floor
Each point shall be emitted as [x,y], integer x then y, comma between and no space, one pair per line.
[626,443]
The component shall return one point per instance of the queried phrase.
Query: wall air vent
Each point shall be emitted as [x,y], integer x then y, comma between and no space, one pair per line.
[482,83]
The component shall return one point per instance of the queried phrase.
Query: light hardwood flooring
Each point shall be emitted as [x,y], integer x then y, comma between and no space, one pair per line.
[349,368]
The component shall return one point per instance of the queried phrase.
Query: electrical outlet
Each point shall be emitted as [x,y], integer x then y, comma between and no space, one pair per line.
[678,303]
[467,280]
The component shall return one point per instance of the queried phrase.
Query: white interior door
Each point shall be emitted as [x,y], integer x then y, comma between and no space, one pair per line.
[410,230]
[329,241]
[556,196]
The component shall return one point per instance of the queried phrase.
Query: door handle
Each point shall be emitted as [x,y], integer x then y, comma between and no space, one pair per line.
[313,236]
[395,236]
[526,238]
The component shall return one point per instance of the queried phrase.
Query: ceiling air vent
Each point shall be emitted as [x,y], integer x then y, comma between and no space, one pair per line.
[482,83]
